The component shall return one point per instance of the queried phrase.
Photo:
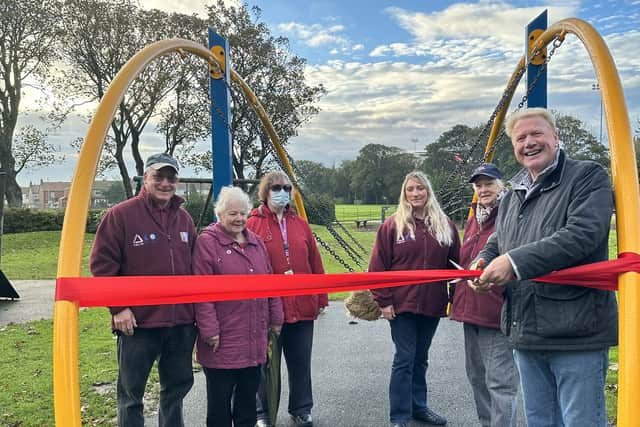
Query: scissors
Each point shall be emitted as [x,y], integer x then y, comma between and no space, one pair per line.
[459,267]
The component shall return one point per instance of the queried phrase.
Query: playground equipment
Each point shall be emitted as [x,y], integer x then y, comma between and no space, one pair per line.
[624,174]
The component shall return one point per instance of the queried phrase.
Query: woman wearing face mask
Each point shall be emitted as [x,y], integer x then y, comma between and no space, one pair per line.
[292,250]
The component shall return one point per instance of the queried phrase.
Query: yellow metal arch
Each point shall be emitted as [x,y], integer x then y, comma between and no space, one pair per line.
[66,384]
[627,197]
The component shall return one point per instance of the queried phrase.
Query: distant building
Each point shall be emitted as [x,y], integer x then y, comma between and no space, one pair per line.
[46,195]
[55,194]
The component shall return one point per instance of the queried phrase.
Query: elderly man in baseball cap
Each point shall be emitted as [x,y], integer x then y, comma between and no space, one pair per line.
[150,235]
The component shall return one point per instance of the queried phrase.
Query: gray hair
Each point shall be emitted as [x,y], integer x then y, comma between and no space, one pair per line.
[231,194]
[529,112]
[498,181]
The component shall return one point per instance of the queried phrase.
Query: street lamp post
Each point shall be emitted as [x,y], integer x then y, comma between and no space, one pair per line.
[596,86]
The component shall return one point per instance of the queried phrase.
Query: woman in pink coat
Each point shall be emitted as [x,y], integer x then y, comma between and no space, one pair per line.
[232,340]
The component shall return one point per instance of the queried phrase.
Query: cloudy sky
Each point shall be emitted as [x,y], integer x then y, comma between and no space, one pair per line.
[402,72]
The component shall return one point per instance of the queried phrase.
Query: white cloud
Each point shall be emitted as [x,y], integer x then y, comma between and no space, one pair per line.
[315,35]
[187,7]
[461,81]
[319,35]
[496,25]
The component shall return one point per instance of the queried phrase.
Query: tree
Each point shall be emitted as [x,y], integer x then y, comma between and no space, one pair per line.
[343,175]
[32,149]
[578,142]
[452,157]
[379,171]
[114,193]
[29,30]
[315,177]
[276,77]
[100,37]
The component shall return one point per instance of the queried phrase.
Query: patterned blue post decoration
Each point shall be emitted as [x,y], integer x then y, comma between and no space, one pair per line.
[538,95]
[221,157]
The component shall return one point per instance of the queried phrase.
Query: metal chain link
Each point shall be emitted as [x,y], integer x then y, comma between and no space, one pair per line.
[330,250]
[350,251]
[557,42]
[353,254]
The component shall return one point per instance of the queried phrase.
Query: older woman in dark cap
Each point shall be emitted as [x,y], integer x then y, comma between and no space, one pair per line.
[489,359]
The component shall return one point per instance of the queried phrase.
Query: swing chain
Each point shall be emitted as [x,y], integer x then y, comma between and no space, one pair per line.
[557,42]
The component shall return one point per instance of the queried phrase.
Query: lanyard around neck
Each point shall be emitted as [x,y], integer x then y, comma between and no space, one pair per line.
[285,240]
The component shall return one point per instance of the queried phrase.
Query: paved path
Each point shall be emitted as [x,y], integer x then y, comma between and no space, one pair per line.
[36,302]
[351,365]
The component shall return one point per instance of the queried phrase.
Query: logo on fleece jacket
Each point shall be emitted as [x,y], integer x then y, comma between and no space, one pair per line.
[139,240]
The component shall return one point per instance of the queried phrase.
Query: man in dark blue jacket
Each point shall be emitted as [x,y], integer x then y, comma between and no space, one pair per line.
[556,216]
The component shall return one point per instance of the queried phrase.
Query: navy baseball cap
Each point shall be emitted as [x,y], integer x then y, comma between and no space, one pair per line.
[161,160]
[486,169]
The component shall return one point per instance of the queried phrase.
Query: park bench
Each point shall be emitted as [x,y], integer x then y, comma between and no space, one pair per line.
[363,223]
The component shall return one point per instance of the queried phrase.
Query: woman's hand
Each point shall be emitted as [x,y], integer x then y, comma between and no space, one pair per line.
[388,312]
[276,329]
[213,342]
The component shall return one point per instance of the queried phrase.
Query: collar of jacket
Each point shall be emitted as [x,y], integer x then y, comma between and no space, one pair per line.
[494,211]
[549,181]
[226,240]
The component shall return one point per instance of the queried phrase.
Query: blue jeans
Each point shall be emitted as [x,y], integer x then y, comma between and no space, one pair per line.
[412,335]
[172,347]
[563,388]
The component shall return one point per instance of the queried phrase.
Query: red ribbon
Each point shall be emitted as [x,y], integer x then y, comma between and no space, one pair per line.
[154,290]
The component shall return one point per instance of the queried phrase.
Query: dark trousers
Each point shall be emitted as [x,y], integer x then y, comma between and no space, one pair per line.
[412,335]
[297,341]
[173,348]
[227,385]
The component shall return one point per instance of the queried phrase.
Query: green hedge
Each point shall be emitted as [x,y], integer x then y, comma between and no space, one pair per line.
[321,208]
[22,220]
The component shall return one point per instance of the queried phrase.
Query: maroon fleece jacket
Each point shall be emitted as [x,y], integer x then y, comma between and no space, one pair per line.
[135,238]
[420,253]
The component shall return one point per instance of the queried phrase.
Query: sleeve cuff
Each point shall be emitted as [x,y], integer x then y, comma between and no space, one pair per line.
[514,266]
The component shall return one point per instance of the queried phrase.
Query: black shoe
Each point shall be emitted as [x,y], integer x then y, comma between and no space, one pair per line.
[302,420]
[430,417]
[400,424]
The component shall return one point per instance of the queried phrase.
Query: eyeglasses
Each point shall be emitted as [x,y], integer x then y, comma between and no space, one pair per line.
[172,178]
[278,187]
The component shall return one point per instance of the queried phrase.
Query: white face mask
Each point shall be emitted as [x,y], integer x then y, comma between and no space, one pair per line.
[279,199]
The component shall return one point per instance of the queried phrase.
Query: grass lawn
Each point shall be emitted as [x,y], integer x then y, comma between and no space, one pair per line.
[349,213]
[26,393]
[35,255]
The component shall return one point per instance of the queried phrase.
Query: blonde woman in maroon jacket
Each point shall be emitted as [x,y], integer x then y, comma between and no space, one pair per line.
[419,236]
[489,360]
[292,250]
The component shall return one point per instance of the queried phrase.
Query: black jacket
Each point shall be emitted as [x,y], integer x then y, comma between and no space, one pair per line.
[563,222]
